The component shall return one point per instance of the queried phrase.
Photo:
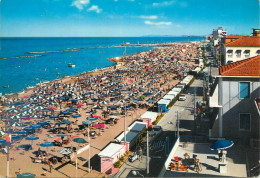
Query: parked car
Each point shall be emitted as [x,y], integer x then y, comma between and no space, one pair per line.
[182,98]
[133,157]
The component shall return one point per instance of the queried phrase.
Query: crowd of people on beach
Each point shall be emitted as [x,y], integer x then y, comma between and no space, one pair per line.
[65,108]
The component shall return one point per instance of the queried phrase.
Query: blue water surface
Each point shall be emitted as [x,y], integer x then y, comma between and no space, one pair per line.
[90,53]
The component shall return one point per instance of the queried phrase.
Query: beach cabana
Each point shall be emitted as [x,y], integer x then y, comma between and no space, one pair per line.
[168,97]
[109,156]
[131,139]
[137,127]
[148,117]
[162,105]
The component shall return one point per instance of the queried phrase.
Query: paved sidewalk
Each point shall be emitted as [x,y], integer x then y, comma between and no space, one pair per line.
[236,161]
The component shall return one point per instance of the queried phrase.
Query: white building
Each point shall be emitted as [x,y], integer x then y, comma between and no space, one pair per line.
[218,34]
[241,48]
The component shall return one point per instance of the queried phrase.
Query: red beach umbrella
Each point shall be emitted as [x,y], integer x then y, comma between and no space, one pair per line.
[51,108]
[27,118]
[97,126]
[79,105]
[96,116]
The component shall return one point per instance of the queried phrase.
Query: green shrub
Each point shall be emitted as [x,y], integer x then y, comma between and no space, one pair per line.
[117,164]
[122,158]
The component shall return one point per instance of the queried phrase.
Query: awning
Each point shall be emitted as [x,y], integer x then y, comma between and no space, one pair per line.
[238,51]
[247,51]
[230,51]
[258,52]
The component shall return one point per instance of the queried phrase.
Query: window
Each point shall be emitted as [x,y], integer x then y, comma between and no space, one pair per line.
[244,90]
[244,121]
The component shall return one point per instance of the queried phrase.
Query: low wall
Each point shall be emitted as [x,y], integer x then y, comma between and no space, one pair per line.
[167,162]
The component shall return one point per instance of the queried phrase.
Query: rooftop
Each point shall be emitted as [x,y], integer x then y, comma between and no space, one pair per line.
[111,150]
[234,36]
[129,137]
[246,67]
[137,126]
[246,41]
[149,115]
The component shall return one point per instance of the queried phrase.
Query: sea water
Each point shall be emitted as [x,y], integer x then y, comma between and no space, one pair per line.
[88,53]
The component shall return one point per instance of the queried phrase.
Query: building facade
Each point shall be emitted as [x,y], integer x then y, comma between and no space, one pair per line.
[238,87]
[241,48]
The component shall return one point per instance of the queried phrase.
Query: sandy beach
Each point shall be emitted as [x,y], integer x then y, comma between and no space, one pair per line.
[137,81]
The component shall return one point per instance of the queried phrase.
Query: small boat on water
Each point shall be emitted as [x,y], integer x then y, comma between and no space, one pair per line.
[71,65]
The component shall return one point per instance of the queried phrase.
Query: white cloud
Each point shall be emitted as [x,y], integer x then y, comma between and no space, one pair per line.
[147,22]
[95,9]
[151,17]
[80,3]
[164,3]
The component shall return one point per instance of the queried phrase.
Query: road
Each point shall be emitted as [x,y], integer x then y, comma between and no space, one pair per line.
[159,148]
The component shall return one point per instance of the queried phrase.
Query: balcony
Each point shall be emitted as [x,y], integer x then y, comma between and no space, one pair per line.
[238,55]
[230,55]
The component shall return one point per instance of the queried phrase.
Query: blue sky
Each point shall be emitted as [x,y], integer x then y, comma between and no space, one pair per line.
[65,18]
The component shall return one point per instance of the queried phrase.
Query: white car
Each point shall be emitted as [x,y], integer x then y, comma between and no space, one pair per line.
[182,98]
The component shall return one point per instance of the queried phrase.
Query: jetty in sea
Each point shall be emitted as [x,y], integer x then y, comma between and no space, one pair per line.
[150,45]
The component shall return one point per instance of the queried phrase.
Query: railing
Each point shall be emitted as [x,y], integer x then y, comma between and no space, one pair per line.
[238,55]
[230,55]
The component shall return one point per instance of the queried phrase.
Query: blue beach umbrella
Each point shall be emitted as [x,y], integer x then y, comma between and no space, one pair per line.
[48,120]
[54,117]
[60,123]
[15,137]
[74,100]
[28,129]
[32,138]
[27,175]
[67,122]
[79,140]
[86,122]
[35,126]
[2,140]
[65,112]
[221,144]
[62,135]
[47,144]
[21,132]
[92,118]
[76,115]
[42,123]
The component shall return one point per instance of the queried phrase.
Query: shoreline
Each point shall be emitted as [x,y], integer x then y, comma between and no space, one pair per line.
[116,60]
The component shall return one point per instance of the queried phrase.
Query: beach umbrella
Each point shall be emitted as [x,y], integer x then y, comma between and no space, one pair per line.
[76,115]
[99,126]
[47,144]
[52,108]
[62,135]
[79,140]
[42,123]
[96,116]
[65,112]
[35,126]
[48,120]
[28,129]
[26,175]
[74,100]
[32,138]
[60,123]
[54,117]
[86,122]
[27,118]
[221,144]
[21,132]
[79,105]
[92,118]
[2,141]
[67,122]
